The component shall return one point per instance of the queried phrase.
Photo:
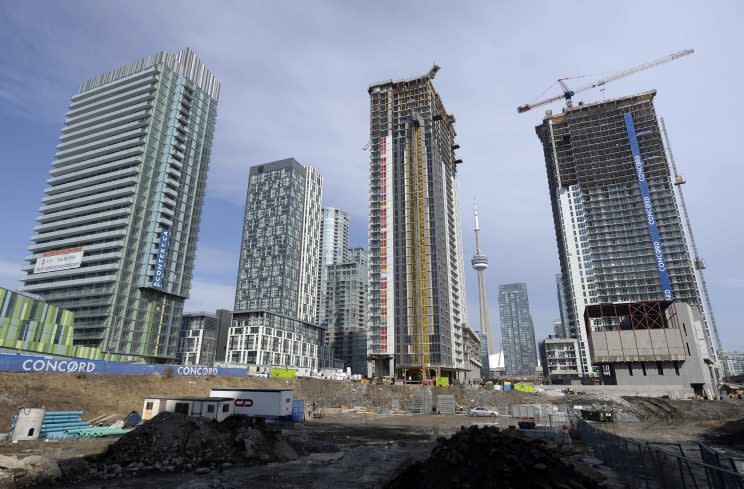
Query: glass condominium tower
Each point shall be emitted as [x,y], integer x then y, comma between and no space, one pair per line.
[517,330]
[416,266]
[281,242]
[119,222]
[618,225]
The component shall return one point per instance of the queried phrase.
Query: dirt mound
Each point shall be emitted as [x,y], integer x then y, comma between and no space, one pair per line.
[730,435]
[484,457]
[175,442]
[650,409]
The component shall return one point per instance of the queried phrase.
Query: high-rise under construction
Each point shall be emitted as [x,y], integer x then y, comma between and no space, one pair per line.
[417,287]
[618,224]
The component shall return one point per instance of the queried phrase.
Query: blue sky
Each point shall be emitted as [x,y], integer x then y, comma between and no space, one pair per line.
[294,83]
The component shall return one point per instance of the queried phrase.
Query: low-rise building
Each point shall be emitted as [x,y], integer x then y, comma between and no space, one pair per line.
[349,345]
[203,337]
[473,354]
[658,343]
[217,408]
[560,360]
[262,339]
[28,324]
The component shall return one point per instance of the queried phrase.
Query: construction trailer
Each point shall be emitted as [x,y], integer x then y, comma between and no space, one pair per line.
[266,403]
[217,408]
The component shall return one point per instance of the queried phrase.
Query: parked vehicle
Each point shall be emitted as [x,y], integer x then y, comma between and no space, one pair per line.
[482,411]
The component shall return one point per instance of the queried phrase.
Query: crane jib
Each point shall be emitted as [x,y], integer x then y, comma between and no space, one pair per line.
[653,230]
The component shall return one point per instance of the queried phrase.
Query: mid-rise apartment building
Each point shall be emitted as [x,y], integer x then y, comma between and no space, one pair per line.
[261,340]
[560,359]
[203,337]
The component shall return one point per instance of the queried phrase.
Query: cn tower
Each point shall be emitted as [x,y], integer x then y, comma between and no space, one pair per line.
[480,263]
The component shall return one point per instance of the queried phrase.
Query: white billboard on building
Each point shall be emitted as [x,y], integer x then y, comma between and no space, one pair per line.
[52,261]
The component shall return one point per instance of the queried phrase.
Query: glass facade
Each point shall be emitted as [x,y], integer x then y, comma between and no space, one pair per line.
[280,247]
[517,330]
[127,189]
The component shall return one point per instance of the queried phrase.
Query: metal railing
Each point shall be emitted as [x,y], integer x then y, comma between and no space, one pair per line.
[656,466]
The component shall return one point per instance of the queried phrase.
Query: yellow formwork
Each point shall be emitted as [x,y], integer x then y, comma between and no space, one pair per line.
[420,279]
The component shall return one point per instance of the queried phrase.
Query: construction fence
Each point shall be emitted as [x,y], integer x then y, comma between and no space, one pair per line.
[646,465]
[31,363]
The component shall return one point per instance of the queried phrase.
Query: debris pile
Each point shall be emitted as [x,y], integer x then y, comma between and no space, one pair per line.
[484,457]
[176,442]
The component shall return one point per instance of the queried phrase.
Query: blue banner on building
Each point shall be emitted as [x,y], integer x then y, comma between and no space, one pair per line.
[658,249]
[157,277]
[32,363]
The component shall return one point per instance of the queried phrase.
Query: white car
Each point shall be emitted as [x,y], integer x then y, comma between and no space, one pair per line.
[482,411]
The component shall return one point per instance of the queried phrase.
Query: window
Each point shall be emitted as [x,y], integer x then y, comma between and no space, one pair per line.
[676,368]
[630,369]
[660,368]
[148,406]
[210,408]
[225,408]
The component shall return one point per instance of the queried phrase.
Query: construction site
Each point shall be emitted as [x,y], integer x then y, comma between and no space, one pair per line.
[549,437]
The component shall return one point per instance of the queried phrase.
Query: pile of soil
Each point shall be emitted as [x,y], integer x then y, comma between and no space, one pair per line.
[175,442]
[730,435]
[485,457]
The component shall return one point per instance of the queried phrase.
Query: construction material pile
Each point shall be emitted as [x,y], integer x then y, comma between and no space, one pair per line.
[484,457]
[421,401]
[57,424]
[175,442]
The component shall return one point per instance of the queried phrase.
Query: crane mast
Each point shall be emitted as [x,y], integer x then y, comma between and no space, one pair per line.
[699,262]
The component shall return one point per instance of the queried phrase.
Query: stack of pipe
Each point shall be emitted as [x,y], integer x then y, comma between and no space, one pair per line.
[97,431]
[56,424]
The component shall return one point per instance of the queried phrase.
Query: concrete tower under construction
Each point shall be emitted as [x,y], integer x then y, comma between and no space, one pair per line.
[618,225]
[416,266]
[480,264]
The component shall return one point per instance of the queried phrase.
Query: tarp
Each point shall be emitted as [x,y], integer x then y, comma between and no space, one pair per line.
[524,387]
[283,373]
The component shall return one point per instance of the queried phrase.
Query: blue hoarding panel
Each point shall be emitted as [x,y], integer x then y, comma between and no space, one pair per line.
[653,230]
[32,363]
[157,277]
